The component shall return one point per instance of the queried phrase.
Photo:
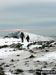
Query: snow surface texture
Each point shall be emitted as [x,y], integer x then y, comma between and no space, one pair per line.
[34,37]
[47,57]
[9,41]
[8,53]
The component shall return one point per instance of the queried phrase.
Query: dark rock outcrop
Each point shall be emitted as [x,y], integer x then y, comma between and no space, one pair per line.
[18,45]
[1,71]
[17,71]
[32,56]
[4,46]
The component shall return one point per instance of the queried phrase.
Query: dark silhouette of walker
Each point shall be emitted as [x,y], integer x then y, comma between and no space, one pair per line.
[27,38]
[22,36]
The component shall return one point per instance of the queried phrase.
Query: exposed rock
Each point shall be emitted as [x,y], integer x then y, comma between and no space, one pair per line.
[45,63]
[44,74]
[12,60]
[18,55]
[2,64]
[18,45]
[38,61]
[46,50]
[18,71]
[44,66]
[31,51]
[31,71]
[1,71]
[4,46]
[29,45]
[32,56]
[43,46]
[14,50]
[40,42]
[35,43]
[6,65]
[37,72]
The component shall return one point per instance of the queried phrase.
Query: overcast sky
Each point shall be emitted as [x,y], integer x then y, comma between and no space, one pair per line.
[36,16]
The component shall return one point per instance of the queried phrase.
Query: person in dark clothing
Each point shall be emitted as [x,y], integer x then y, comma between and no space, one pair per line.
[22,36]
[27,38]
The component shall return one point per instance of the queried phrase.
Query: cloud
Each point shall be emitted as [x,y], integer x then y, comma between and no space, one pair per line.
[12,2]
[26,21]
[9,3]
[44,19]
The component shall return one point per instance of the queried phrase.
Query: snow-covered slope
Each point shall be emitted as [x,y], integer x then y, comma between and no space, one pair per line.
[51,56]
[34,37]
[21,57]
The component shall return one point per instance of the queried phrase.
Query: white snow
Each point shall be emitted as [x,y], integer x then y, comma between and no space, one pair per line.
[9,73]
[35,46]
[34,37]
[5,52]
[8,41]
[47,57]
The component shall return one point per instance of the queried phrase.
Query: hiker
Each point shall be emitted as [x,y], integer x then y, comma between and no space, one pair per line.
[27,38]
[22,36]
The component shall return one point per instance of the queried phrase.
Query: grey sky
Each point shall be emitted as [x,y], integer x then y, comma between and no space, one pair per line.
[36,16]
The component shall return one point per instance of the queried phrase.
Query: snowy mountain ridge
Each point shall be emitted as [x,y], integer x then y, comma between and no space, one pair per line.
[35,37]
